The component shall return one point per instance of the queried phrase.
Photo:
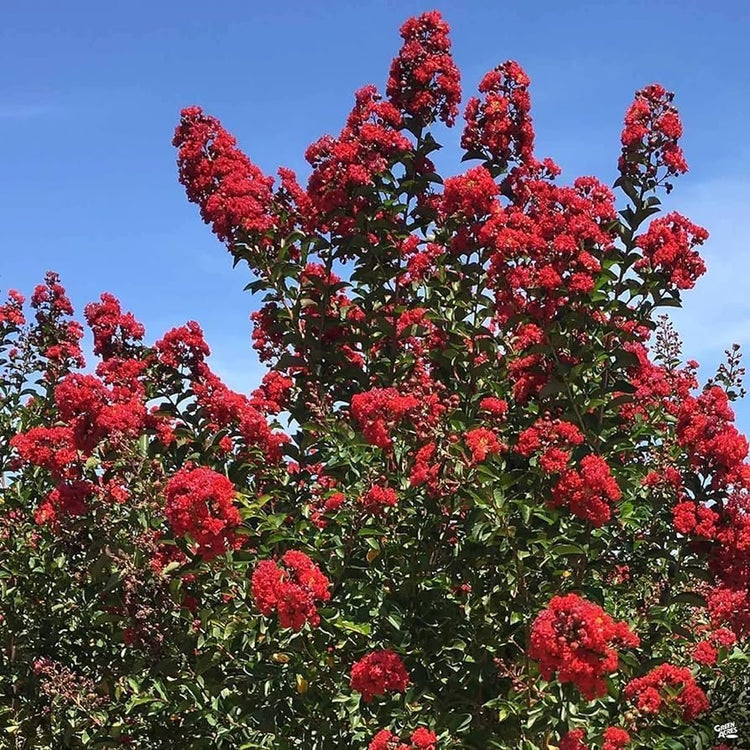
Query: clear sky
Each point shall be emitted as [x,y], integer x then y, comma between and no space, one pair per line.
[90,93]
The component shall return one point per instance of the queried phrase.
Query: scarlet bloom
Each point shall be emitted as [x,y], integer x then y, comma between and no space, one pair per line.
[424,81]
[588,492]
[377,673]
[497,407]
[500,127]
[705,430]
[668,685]
[575,639]
[290,589]
[113,330]
[234,196]
[553,439]
[573,740]
[669,248]
[649,138]
[470,195]
[52,448]
[421,739]
[695,518]
[377,499]
[66,500]
[378,411]
[183,347]
[11,313]
[615,739]
[200,503]
[424,739]
[482,443]
[705,653]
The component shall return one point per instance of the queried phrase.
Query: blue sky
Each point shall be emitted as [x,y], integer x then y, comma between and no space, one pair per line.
[90,93]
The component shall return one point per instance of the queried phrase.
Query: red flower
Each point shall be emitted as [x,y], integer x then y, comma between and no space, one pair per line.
[470,196]
[573,740]
[650,695]
[378,411]
[52,448]
[669,248]
[377,499]
[67,499]
[292,590]
[482,443]
[705,430]
[574,638]
[11,312]
[233,194]
[424,81]
[553,440]
[424,739]
[200,503]
[183,347]
[114,331]
[341,167]
[615,739]
[649,138]
[378,673]
[588,492]
[499,128]
[705,653]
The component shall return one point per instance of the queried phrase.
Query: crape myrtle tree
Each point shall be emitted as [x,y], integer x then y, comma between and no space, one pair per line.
[477,501]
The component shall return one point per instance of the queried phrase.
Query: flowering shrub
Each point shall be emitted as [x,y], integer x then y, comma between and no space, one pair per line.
[477,501]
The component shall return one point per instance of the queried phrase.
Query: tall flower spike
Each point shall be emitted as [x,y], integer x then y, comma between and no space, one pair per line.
[424,81]
[499,128]
[234,196]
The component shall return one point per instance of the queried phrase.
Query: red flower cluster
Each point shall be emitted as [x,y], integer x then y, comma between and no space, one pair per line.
[11,313]
[292,590]
[669,248]
[657,387]
[730,606]
[573,740]
[615,738]
[95,412]
[649,138]
[552,439]
[54,337]
[377,499]
[651,695]
[545,246]
[114,331]
[421,739]
[424,81]
[66,500]
[183,347]
[49,447]
[704,429]
[695,518]
[377,673]
[495,407]
[588,492]
[342,166]
[575,639]
[234,196]
[378,411]
[227,409]
[482,443]
[200,503]
[499,128]
[470,196]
